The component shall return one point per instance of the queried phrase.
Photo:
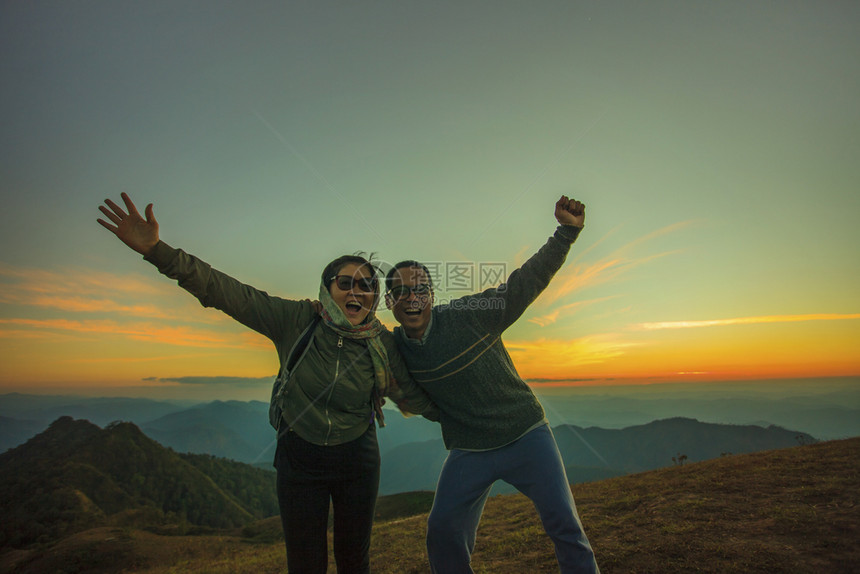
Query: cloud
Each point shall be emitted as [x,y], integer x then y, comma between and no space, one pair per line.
[83,305]
[552,358]
[134,359]
[745,321]
[256,340]
[553,380]
[76,280]
[21,334]
[212,381]
[552,317]
[181,336]
[81,290]
[88,302]
[581,274]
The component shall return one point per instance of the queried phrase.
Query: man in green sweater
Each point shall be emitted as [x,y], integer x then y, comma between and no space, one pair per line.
[492,423]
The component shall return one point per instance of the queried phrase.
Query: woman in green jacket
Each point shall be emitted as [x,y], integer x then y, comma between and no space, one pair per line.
[327,449]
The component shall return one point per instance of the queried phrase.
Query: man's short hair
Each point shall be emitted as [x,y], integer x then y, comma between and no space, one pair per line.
[389,279]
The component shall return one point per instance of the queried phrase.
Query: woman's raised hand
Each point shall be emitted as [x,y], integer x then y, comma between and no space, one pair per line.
[138,233]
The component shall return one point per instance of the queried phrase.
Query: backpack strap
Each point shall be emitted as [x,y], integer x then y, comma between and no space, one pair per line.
[280,387]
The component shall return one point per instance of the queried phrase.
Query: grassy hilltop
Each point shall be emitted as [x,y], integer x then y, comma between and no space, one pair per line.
[792,510]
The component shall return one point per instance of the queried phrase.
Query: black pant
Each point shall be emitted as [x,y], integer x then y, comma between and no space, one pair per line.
[309,476]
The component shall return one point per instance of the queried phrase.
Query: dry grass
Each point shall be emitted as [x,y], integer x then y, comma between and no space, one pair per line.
[785,511]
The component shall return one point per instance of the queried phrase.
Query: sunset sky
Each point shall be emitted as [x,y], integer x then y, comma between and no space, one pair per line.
[715,144]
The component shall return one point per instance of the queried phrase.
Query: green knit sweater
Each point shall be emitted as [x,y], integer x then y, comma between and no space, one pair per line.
[463,365]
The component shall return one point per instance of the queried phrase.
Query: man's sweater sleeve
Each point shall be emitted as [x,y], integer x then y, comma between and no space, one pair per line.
[253,308]
[503,305]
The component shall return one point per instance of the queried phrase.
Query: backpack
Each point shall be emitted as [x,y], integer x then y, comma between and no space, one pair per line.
[279,388]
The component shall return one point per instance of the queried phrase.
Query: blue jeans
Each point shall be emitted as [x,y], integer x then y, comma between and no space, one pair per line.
[533,465]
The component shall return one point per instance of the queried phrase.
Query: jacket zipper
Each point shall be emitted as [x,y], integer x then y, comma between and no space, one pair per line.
[331,390]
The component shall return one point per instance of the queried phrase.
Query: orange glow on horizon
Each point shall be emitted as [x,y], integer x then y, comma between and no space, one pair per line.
[748,321]
[162,334]
[759,348]
[106,338]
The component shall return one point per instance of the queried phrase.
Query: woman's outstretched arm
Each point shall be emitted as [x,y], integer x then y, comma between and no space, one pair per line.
[278,319]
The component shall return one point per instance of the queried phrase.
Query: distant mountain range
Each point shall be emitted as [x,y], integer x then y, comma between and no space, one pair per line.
[98,410]
[826,410]
[116,499]
[412,449]
[413,452]
[231,429]
[75,475]
[594,454]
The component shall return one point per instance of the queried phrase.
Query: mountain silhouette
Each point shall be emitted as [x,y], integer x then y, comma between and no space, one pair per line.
[782,511]
[75,475]
[230,429]
[595,453]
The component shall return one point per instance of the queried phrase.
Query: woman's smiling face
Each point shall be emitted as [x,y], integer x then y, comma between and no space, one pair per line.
[354,290]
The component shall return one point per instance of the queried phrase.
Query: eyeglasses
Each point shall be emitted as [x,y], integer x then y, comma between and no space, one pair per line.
[348,282]
[403,291]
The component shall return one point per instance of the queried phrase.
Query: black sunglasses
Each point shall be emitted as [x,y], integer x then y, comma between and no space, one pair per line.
[403,291]
[347,282]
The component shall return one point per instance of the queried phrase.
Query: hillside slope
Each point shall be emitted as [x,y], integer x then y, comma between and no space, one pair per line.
[776,512]
[784,511]
[76,475]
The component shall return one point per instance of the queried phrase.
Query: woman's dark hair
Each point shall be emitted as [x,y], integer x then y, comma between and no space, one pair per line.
[389,279]
[360,259]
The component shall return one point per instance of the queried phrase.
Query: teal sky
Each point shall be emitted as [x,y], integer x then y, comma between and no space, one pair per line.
[716,145]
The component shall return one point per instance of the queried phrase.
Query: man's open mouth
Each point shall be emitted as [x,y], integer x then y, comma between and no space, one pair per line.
[413,311]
